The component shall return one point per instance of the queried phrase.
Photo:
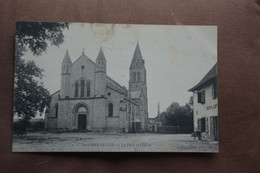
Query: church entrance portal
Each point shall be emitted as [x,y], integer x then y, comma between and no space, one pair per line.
[82,121]
[81,112]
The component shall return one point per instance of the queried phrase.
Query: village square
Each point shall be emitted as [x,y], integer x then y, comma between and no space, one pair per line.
[92,111]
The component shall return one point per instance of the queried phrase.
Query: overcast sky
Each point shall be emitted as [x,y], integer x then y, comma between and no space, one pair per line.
[176,57]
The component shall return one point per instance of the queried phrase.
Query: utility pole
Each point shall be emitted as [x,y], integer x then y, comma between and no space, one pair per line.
[158,108]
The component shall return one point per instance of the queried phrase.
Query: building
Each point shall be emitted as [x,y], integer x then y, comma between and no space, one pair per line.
[91,100]
[154,123]
[205,102]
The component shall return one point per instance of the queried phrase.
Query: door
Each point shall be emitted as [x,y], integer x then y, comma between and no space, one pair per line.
[216,128]
[138,126]
[82,121]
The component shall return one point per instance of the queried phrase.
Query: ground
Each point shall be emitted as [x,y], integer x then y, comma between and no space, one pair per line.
[109,142]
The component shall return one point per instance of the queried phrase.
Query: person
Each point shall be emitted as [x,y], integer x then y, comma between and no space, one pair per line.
[196,134]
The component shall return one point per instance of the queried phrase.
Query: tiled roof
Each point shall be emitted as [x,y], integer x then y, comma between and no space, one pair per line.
[113,81]
[213,73]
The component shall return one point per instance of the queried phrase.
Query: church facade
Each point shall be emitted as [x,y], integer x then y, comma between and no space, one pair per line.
[91,100]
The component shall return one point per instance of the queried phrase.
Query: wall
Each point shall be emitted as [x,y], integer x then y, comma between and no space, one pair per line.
[88,74]
[208,109]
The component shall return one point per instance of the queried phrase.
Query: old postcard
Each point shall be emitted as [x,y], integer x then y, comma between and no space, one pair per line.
[89,87]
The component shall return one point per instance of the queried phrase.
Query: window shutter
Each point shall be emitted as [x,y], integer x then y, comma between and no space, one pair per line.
[206,124]
[211,128]
[203,97]
[202,124]
[216,127]
[215,91]
[199,97]
[199,124]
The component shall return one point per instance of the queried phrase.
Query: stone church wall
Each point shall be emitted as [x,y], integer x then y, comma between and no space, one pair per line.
[83,68]
[99,114]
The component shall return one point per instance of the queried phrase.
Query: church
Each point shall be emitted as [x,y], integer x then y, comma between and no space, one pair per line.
[90,100]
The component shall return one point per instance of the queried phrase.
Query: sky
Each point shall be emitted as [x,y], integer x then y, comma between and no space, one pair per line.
[176,57]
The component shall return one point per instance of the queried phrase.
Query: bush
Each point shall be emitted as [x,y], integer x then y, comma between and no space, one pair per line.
[36,126]
[21,126]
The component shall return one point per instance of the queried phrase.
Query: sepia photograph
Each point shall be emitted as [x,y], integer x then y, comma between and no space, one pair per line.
[93,87]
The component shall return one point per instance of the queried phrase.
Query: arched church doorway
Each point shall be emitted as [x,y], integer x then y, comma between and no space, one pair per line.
[82,118]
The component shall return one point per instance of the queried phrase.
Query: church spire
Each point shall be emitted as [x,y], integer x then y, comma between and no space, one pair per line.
[66,58]
[101,61]
[65,76]
[100,74]
[101,55]
[137,60]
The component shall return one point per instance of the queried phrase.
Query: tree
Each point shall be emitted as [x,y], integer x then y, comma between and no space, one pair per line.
[34,36]
[30,94]
[172,108]
[180,116]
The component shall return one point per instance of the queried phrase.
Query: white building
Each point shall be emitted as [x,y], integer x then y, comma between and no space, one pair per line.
[91,100]
[205,101]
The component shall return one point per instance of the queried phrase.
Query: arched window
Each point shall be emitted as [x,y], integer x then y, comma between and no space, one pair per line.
[76,89]
[88,89]
[134,76]
[138,76]
[56,107]
[82,88]
[110,109]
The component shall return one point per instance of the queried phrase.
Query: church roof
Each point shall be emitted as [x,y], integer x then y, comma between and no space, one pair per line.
[114,82]
[210,75]
[101,55]
[55,92]
[84,56]
[66,58]
[137,57]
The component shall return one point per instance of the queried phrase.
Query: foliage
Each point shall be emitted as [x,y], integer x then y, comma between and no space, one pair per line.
[34,36]
[179,116]
[30,95]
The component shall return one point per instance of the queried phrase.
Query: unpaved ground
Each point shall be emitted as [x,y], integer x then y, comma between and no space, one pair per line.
[89,141]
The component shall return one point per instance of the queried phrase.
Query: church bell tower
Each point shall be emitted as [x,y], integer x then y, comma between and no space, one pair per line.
[137,84]
[65,76]
[100,74]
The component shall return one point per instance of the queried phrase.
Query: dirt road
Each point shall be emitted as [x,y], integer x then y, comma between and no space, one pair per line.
[109,142]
